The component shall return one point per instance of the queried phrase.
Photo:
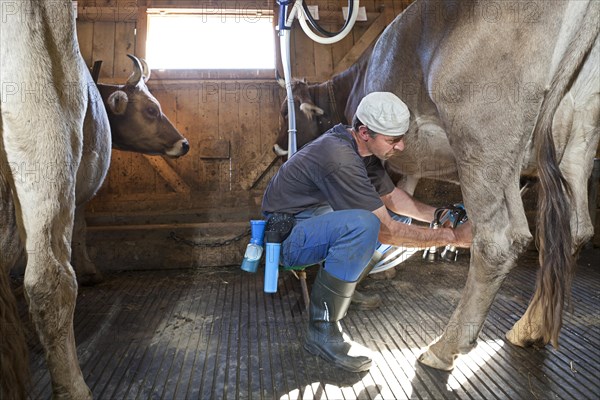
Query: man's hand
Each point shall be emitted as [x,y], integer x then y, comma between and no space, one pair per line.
[463,235]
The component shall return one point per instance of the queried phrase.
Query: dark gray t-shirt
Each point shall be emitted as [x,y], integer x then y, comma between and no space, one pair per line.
[330,171]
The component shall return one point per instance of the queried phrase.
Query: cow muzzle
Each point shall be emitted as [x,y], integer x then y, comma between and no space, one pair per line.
[180,148]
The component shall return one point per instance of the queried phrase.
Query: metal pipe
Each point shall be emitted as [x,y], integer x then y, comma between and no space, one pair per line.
[284,45]
[284,25]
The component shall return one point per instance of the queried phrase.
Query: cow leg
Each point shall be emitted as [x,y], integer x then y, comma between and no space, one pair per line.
[501,233]
[44,204]
[51,287]
[576,166]
[87,274]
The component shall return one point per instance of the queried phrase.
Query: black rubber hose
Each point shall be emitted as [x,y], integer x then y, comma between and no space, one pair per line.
[322,31]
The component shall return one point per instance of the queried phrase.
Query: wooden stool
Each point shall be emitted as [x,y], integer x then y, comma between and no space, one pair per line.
[300,273]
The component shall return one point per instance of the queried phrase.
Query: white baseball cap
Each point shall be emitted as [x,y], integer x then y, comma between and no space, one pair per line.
[385,113]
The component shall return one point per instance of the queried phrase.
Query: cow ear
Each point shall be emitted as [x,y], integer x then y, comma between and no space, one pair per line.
[310,110]
[117,102]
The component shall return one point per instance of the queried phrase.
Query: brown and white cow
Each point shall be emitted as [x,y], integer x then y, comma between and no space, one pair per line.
[516,89]
[54,154]
[137,124]
[320,106]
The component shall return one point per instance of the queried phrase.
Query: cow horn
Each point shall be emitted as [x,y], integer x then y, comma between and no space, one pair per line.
[145,70]
[137,74]
[279,151]
[279,79]
[311,110]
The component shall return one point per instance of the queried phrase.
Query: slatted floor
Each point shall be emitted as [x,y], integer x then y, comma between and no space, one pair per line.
[213,334]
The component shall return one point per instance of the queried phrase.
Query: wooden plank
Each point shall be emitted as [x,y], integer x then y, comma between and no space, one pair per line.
[369,5]
[229,126]
[106,14]
[119,165]
[165,170]
[303,55]
[246,143]
[186,118]
[341,48]
[124,44]
[104,46]
[141,32]
[395,9]
[371,34]
[269,128]
[141,178]
[208,128]
[323,60]
[109,200]
[254,168]
[270,104]
[85,37]
[215,148]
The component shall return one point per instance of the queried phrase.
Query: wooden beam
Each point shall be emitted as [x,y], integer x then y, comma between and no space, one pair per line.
[107,14]
[363,43]
[168,173]
[253,169]
[141,32]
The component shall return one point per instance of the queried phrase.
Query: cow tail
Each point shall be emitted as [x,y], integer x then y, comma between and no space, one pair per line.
[14,363]
[554,239]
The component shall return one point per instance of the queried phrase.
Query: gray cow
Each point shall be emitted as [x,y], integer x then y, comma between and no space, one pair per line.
[54,154]
[492,98]
[515,93]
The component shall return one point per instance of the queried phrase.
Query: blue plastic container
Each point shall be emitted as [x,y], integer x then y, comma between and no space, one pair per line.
[254,249]
[272,267]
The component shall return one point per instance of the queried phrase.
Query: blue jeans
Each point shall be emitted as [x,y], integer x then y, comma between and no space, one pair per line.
[345,239]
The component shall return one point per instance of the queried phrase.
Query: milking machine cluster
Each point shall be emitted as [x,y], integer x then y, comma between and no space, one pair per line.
[450,216]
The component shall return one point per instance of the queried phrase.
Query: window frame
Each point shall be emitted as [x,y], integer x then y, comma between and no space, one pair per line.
[200,73]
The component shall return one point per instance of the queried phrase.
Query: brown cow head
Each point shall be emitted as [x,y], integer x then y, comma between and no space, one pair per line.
[309,121]
[137,122]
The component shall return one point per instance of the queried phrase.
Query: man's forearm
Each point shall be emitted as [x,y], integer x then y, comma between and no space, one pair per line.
[402,203]
[399,234]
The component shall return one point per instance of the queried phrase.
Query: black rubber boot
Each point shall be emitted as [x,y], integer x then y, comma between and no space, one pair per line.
[329,301]
[361,301]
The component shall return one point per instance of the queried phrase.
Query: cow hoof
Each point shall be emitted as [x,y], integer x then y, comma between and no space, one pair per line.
[523,340]
[90,279]
[431,360]
[524,334]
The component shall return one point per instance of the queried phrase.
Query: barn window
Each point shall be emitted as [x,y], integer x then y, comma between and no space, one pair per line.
[210,39]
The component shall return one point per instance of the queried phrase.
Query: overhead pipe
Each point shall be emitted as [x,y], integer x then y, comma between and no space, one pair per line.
[284,26]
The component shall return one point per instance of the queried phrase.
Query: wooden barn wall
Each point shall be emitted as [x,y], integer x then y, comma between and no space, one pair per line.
[229,119]
[231,122]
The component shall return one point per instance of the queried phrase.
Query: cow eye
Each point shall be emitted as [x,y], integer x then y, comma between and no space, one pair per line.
[152,112]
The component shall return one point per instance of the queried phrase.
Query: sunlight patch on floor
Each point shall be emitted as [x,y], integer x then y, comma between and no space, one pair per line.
[393,372]
[468,364]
